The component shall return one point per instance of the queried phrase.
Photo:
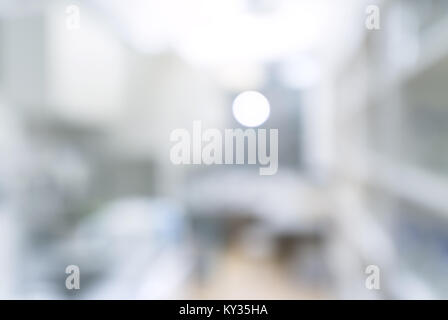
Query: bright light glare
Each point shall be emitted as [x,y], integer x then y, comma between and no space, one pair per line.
[251,108]
[199,30]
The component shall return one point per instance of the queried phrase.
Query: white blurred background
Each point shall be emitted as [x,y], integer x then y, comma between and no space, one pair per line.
[90,91]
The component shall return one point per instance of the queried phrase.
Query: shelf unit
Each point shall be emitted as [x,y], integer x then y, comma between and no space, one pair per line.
[377,150]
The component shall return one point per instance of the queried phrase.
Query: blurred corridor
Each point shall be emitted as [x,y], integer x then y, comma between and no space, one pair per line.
[91,90]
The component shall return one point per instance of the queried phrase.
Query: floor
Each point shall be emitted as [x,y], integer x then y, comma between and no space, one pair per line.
[240,276]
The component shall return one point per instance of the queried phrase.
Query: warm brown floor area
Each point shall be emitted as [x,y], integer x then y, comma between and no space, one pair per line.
[239,276]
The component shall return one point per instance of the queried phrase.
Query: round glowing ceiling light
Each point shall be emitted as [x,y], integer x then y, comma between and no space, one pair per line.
[251,108]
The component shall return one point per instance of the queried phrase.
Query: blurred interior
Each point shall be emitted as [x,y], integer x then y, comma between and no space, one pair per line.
[85,175]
